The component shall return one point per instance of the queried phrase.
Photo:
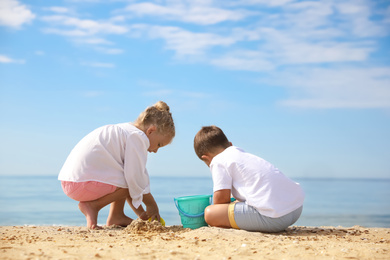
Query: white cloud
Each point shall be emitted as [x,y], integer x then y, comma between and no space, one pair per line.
[98,43]
[153,88]
[58,9]
[149,84]
[81,27]
[181,41]
[276,49]
[195,95]
[98,64]
[351,18]
[258,36]
[336,87]
[191,12]
[158,93]
[386,14]
[304,18]
[39,53]
[92,93]
[188,96]
[14,14]
[118,18]
[356,15]
[67,33]
[301,32]
[244,60]
[260,2]
[93,41]
[111,51]
[85,31]
[6,59]
[88,1]
[323,52]
[324,20]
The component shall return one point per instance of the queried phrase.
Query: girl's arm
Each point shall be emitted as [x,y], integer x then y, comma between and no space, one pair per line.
[139,211]
[151,207]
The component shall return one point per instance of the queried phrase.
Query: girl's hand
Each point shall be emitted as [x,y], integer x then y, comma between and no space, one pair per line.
[152,212]
[139,211]
[151,207]
[143,216]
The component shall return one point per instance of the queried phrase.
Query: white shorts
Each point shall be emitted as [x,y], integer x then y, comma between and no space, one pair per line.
[243,216]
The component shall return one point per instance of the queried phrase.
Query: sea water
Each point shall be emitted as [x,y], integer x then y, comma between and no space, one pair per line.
[39,200]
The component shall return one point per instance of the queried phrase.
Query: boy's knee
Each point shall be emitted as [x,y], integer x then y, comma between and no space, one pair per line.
[216,215]
[208,215]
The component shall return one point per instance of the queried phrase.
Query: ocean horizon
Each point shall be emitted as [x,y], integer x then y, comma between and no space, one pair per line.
[39,200]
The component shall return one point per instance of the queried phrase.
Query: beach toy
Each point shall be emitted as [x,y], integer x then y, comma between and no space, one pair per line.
[191,210]
[162,221]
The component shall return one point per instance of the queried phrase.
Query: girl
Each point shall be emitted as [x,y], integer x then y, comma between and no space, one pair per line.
[109,166]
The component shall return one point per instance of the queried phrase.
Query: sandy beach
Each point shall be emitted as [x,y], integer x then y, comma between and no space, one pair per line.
[145,240]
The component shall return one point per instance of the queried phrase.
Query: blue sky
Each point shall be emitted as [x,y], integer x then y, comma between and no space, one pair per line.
[303,84]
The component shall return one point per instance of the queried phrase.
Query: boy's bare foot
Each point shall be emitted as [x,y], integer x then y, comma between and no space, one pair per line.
[121,220]
[90,213]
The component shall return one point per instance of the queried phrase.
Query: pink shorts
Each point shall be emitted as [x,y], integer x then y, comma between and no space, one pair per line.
[86,191]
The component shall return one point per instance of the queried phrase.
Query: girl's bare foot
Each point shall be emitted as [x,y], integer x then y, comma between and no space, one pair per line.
[90,213]
[121,220]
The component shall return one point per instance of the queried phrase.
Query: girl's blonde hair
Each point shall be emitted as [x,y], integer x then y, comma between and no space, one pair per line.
[159,116]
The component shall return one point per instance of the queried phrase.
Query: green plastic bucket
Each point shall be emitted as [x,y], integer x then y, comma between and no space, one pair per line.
[191,210]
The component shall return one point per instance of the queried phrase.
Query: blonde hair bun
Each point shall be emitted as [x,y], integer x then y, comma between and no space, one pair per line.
[158,115]
[162,106]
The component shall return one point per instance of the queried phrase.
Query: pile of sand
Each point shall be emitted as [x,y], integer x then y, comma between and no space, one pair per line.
[153,229]
[139,226]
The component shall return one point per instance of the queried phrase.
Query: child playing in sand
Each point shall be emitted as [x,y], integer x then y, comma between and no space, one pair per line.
[267,200]
[108,166]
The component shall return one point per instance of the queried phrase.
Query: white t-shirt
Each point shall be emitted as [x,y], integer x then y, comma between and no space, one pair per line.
[112,154]
[255,181]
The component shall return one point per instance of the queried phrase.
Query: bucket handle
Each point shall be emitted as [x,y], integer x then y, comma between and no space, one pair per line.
[186,214]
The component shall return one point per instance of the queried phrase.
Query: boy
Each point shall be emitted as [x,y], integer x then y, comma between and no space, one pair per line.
[267,200]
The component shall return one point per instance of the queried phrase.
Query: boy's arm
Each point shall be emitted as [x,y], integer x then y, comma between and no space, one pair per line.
[222,196]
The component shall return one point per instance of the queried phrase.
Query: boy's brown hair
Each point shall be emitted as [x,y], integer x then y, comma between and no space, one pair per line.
[208,139]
